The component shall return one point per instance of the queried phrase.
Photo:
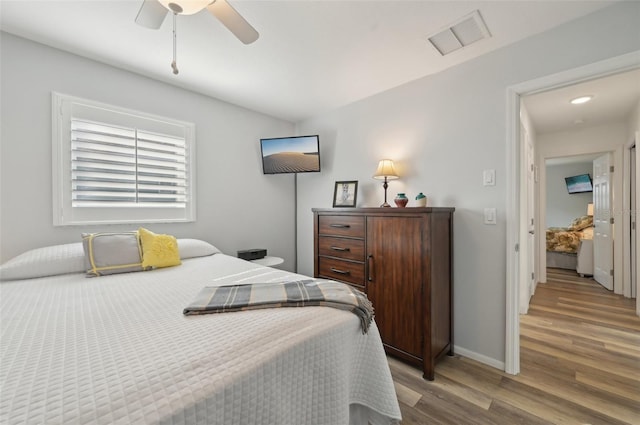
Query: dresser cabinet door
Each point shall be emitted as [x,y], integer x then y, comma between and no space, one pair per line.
[395,273]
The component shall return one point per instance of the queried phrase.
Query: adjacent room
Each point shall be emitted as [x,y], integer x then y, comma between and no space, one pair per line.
[319,212]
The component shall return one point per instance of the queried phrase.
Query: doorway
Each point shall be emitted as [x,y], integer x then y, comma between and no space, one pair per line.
[566,196]
[517,248]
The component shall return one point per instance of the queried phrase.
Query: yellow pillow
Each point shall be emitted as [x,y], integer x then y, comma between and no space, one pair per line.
[158,250]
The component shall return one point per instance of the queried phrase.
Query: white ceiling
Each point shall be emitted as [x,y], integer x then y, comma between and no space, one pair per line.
[614,98]
[577,159]
[312,56]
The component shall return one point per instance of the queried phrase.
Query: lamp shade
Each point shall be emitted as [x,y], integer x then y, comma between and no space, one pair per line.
[590,209]
[385,169]
[189,7]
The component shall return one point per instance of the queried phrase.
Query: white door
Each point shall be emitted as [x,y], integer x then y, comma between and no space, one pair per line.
[527,279]
[530,215]
[603,234]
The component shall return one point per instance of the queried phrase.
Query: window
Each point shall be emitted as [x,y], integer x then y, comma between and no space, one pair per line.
[112,165]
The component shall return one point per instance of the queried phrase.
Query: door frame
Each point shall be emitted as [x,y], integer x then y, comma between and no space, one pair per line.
[630,159]
[637,234]
[515,247]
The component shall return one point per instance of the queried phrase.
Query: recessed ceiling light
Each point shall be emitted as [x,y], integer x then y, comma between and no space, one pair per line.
[581,100]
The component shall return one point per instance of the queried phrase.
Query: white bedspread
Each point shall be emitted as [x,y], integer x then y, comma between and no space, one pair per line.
[118,350]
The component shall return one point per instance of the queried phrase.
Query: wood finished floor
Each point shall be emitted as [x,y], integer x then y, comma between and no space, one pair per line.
[580,364]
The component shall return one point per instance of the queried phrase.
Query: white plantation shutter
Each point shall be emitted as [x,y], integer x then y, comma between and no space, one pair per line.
[113,166]
[120,166]
[161,169]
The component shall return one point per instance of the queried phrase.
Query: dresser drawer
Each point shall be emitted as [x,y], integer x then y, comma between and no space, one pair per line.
[345,271]
[341,225]
[348,249]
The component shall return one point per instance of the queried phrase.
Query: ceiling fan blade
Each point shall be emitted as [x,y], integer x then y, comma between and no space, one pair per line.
[234,22]
[151,14]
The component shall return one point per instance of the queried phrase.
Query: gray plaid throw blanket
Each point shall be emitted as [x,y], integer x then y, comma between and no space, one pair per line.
[311,292]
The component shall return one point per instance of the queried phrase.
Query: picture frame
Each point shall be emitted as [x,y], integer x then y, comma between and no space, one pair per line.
[345,194]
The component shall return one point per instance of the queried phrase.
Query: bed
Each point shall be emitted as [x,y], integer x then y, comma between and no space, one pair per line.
[563,243]
[117,349]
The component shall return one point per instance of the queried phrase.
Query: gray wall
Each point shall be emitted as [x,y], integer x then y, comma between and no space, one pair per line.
[237,206]
[443,131]
[562,207]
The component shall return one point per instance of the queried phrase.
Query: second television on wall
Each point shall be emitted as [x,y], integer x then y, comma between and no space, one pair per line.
[299,154]
[579,184]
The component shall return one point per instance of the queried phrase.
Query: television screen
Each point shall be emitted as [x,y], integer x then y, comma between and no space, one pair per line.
[300,154]
[579,184]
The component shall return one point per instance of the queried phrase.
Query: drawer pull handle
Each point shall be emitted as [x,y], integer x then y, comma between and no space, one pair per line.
[337,248]
[340,271]
[341,226]
[370,268]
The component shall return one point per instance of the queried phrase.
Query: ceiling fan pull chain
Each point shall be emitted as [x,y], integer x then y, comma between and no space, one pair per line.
[174,65]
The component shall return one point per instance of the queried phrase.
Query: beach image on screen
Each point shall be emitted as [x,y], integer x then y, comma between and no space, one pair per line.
[290,155]
[577,184]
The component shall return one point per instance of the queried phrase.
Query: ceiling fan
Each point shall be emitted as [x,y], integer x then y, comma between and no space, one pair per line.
[153,12]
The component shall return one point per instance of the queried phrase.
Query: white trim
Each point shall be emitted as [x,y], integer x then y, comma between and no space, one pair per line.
[595,70]
[637,141]
[618,214]
[512,337]
[489,361]
[64,214]
[626,225]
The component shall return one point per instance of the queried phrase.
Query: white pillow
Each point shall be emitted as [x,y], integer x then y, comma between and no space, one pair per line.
[70,258]
[191,248]
[47,261]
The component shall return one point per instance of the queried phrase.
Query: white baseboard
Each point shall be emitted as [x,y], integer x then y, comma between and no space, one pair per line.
[478,357]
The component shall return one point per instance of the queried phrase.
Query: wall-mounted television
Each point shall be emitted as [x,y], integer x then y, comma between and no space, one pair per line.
[579,184]
[299,154]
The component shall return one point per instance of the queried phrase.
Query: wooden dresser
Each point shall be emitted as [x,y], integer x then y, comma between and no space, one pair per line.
[402,259]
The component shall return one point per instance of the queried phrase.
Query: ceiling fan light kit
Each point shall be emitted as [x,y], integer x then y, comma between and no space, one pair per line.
[153,12]
[185,7]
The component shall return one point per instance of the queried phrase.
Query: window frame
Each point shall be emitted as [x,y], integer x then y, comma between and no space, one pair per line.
[64,107]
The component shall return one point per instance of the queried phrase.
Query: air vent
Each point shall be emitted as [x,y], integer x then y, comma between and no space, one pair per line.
[462,33]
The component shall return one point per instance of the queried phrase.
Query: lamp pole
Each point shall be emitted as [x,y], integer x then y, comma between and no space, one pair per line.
[385,185]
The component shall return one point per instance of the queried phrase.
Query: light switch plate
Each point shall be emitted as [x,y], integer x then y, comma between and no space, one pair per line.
[489,177]
[489,216]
